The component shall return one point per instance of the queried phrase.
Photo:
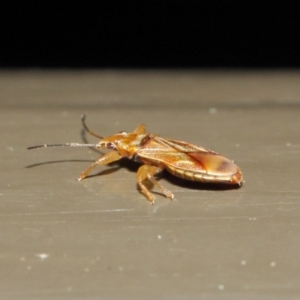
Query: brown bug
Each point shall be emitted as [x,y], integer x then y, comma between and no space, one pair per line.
[181,159]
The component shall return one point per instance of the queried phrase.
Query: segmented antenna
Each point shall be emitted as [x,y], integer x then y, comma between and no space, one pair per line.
[88,130]
[62,145]
[71,144]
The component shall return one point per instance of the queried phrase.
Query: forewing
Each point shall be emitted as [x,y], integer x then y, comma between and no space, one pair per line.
[187,156]
[182,146]
[170,152]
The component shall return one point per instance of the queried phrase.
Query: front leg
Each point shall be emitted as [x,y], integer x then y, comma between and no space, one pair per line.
[103,160]
[147,172]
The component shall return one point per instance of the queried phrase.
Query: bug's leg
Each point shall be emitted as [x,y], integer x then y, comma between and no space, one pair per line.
[103,160]
[147,172]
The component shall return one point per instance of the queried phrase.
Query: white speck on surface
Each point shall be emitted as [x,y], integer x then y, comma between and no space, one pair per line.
[69,289]
[10,148]
[237,145]
[121,269]
[243,262]
[288,144]
[86,270]
[273,264]
[29,267]
[42,256]
[213,110]
[22,258]
[221,287]
[159,237]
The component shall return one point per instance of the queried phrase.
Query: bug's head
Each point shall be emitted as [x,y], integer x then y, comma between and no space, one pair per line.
[119,141]
[113,142]
[123,141]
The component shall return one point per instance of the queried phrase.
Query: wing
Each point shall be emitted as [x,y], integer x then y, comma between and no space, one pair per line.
[183,158]
[182,146]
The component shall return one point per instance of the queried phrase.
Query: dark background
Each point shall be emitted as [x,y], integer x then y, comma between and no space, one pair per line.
[150,34]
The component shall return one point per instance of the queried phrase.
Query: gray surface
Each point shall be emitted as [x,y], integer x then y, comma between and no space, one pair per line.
[100,238]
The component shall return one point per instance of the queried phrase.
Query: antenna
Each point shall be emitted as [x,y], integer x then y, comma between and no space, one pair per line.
[62,145]
[87,129]
[71,144]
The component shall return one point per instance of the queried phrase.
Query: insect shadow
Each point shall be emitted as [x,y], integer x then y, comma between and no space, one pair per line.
[56,162]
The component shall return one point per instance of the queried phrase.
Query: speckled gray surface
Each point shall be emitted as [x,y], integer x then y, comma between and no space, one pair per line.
[100,238]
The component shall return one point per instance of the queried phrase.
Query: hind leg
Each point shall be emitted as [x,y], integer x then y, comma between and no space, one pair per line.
[148,172]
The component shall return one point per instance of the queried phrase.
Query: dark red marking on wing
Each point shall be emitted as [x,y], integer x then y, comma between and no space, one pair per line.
[214,163]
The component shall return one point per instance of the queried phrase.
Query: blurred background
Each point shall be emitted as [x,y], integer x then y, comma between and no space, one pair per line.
[150,34]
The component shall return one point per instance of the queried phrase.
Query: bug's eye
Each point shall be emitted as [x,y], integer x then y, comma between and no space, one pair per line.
[110,146]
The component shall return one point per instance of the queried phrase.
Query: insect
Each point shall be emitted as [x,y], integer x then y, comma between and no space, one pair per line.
[181,159]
